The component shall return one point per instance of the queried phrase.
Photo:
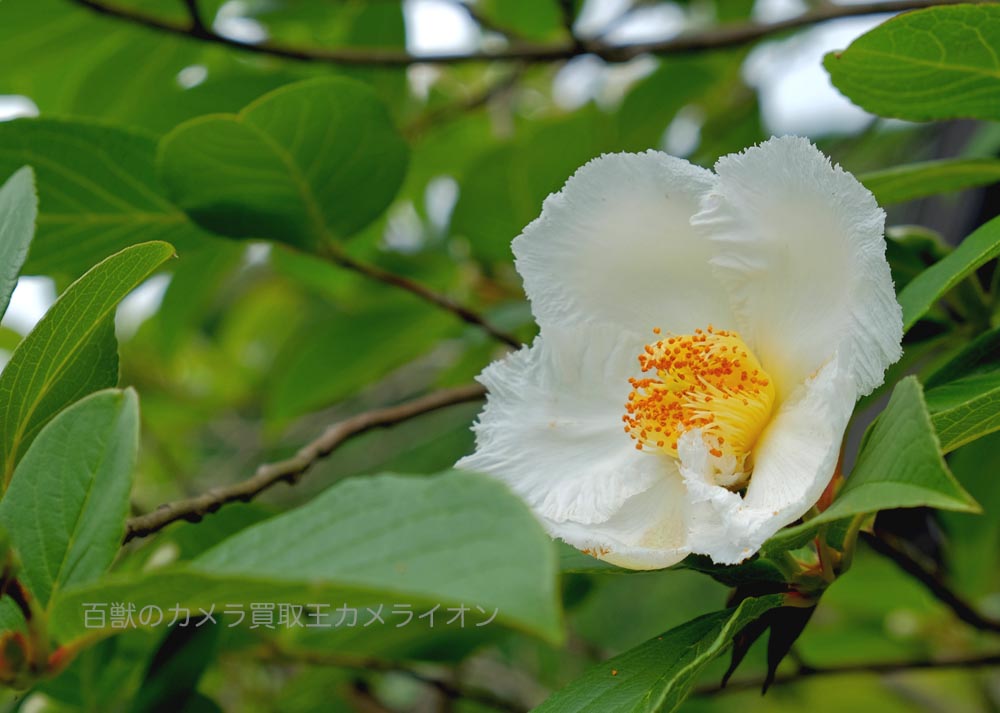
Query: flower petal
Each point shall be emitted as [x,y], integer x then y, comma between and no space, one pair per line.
[552,425]
[793,462]
[615,245]
[799,243]
[649,531]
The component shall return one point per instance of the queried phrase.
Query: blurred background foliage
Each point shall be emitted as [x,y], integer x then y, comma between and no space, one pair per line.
[244,352]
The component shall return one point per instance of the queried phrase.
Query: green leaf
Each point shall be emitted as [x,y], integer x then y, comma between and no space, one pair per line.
[927,288]
[965,409]
[307,164]
[919,180]
[938,63]
[900,464]
[66,506]
[71,352]
[98,193]
[651,105]
[973,540]
[658,675]
[453,539]
[321,367]
[18,210]
[171,681]
[504,188]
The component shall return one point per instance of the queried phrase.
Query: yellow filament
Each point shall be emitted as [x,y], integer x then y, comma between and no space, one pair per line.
[709,380]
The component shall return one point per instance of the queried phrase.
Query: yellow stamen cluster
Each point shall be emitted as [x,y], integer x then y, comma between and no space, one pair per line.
[708,380]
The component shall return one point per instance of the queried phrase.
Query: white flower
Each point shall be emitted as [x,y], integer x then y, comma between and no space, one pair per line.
[704,337]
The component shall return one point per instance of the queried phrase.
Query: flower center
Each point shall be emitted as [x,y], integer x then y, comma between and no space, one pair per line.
[709,380]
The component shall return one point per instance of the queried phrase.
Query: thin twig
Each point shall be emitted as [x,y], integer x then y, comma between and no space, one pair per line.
[435,117]
[872,667]
[444,686]
[425,293]
[197,27]
[488,24]
[962,609]
[290,470]
[567,14]
[715,38]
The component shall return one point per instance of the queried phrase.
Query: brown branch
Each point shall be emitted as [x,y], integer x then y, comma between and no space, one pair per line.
[876,667]
[962,609]
[290,470]
[425,293]
[716,38]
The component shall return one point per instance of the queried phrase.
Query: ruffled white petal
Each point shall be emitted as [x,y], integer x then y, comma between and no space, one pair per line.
[649,531]
[799,244]
[552,427]
[615,245]
[793,462]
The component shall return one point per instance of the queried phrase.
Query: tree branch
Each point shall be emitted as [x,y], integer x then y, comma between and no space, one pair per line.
[879,667]
[290,470]
[467,315]
[716,38]
[962,609]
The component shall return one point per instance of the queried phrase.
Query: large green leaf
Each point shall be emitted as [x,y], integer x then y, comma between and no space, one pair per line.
[658,675]
[18,210]
[71,352]
[927,288]
[938,63]
[900,464]
[66,506]
[965,409]
[306,164]
[98,193]
[919,180]
[453,539]
[963,394]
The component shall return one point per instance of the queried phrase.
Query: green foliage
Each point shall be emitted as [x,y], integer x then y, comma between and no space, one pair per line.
[171,682]
[965,409]
[66,505]
[900,464]
[928,178]
[71,352]
[248,353]
[503,188]
[323,368]
[938,63]
[98,193]
[18,210]
[924,290]
[656,676]
[418,541]
[307,164]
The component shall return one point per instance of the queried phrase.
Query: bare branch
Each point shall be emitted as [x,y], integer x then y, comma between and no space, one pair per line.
[425,293]
[962,609]
[871,667]
[290,470]
[716,38]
